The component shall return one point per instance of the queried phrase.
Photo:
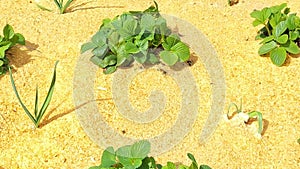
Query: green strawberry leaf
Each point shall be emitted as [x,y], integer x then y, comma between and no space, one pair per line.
[278,56]
[8,32]
[140,149]
[87,46]
[110,70]
[182,51]
[282,39]
[279,29]
[267,47]
[3,49]
[131,48]
[108,157]
[168,57]
[292,47]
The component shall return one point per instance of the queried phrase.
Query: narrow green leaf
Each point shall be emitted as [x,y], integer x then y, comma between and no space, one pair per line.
[266,48]
[278,56]
[204,167]
[19,99]
[48,97]
[64,8]
[191,157]
[36,108]
[168,57]
[8,32]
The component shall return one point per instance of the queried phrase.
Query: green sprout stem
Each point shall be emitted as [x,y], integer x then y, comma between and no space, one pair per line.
[36,118]
[259,119]
[238,110]
[268,30]
[252,114]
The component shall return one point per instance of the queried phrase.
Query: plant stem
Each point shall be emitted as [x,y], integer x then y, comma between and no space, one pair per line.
[268,30]
[259,119]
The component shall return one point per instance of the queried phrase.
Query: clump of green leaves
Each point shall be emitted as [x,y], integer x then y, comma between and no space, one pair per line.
[249,115]
[280,33]
[8,40]
[37,116]
[136,157]
[141,36]
[60,5]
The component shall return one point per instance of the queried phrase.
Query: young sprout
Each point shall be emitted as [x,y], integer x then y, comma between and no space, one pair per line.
[60,5]
[247,116]
[37,116]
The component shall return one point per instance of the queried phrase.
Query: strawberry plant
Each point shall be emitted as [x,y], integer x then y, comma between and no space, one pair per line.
[38,114]
[280,33]
[136,157]
[8,40]
[141,36]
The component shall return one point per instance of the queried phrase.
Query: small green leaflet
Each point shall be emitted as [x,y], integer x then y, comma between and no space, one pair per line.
[278,56]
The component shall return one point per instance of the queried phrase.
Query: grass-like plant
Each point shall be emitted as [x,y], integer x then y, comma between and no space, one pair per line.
[60,5]
[249,116]
[136,157]
[141,36]
[8,40]
[38,114]
[280,33]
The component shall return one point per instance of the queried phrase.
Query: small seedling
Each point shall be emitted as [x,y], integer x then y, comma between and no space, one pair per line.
[141,36]
[60,5]
[7,41]
[298,140]
[246,116]
[136,157]
[280,33]
[38,115]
